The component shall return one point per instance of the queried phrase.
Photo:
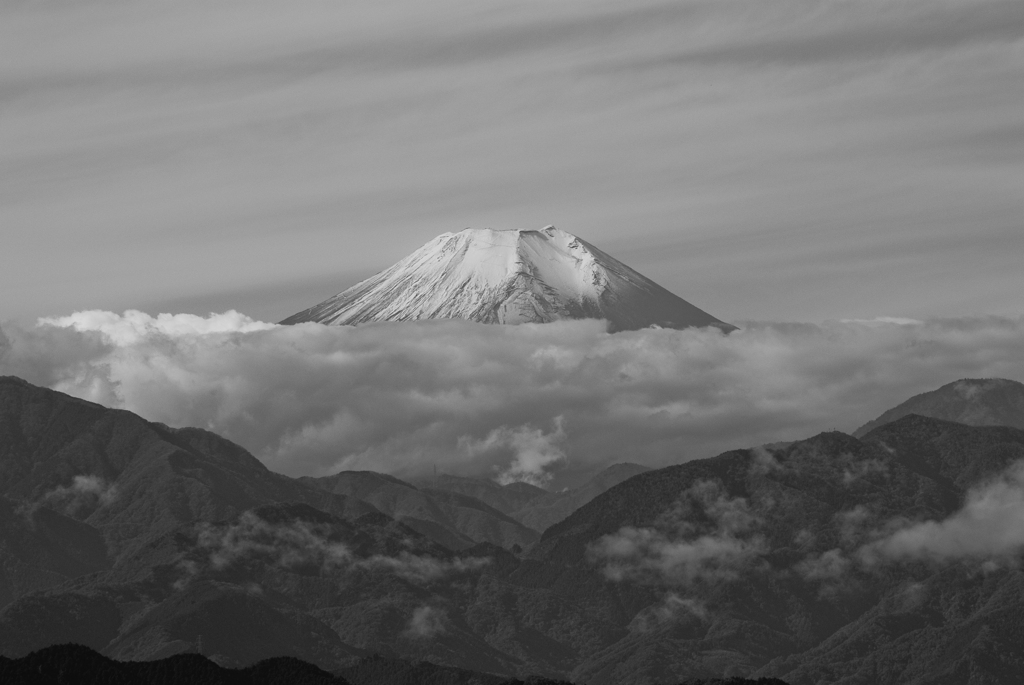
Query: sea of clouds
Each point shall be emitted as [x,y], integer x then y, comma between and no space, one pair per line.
[529,402]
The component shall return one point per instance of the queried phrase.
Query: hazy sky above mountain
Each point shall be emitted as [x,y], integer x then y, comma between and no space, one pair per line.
[787,160]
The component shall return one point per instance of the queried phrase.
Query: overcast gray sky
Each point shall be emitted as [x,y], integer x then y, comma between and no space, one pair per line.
[776,160]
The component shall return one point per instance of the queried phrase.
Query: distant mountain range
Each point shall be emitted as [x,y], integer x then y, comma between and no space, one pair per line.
[455,520]
[509,277]
[833,559]
[530,505]
[974,401]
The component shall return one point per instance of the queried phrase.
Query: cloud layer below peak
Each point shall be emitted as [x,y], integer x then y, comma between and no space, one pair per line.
[532,402]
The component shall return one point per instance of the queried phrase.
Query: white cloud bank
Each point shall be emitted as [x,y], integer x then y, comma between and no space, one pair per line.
[521,402]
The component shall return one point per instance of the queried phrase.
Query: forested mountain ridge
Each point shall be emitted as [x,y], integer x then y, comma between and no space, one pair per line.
[890,559]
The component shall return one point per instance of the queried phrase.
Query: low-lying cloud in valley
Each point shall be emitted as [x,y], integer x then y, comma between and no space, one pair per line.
[708,537]
[518,403]
[298,544]
[426,622]
[990,526]
[671,609]
[678,551]
[532,452]
[988,530]
[85,492]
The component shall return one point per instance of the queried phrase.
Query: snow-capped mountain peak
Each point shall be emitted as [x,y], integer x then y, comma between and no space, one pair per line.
[509,276]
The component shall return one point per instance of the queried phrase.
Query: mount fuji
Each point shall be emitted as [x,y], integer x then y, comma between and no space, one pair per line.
[509,277]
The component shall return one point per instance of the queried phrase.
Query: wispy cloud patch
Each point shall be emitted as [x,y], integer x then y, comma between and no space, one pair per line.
[671,610]
[85,491]
[679,549]
[866,467]
[827,566]
[533,452]
[289,545]
[427,622]
[423,569]
[301,544]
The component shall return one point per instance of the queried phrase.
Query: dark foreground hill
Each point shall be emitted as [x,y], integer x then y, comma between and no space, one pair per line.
[890,559]
[66,664]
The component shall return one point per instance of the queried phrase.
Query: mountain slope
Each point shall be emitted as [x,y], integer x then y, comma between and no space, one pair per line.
[974,401]
[743,563]
[41,548]
[129,478]
[458,521]
[507,499]
[533,507]
[546,511]
[509,277]
[791,560]
[950,627]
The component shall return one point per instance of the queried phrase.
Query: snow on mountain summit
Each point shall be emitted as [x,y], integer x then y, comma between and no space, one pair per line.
[509,276]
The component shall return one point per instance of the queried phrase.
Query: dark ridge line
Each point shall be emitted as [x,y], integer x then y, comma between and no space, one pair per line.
[72,663]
